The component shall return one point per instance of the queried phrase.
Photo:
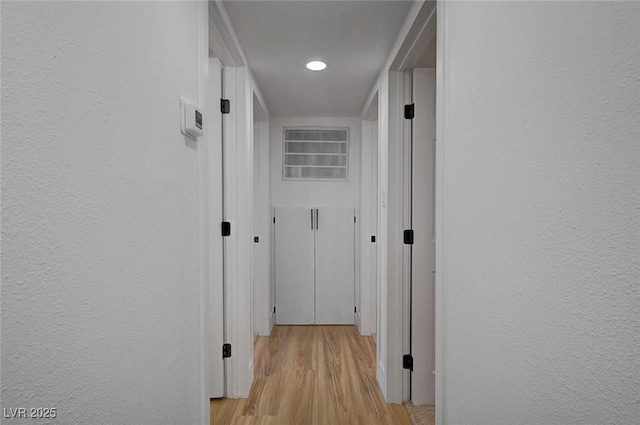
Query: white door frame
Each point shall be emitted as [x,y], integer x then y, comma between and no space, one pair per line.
[416,34]
[440,201]
[366,301]
[240,88]
[211,161]
[262,306]
[407,204]
[334,246]
[422,261]
[207,268]
[421,35]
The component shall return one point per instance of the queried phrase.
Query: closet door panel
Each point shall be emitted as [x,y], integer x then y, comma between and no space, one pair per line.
[335,266]
[294,258]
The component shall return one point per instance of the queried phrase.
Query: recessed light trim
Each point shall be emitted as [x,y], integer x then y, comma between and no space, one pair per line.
[316,65]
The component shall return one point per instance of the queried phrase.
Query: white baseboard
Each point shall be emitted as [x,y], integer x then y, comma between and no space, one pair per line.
[382,379]
[244,391]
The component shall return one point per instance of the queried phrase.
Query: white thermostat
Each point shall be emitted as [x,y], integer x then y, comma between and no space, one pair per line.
[190,119]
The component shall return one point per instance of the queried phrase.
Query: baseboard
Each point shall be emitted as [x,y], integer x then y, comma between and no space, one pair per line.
[382,379]
[272,322]
[243,392]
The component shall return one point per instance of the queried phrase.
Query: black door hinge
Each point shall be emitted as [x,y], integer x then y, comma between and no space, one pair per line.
[226,351]
[226,228]
[274,309]
[407,362]
[408,237]
[409,111]
[256,239]
[373,238]
[225,106]
[355,309]
[274,220]
[354,218]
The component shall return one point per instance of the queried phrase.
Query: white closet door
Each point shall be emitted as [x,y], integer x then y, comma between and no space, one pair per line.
[335,266]
[294,266]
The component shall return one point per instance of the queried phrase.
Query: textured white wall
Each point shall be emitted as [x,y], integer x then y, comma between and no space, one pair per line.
[100,275]
[542,234]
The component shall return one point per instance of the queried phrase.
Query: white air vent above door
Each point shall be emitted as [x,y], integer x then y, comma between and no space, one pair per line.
[316,154]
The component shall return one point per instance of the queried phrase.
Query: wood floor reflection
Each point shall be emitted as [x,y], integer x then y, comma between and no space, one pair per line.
[312,375]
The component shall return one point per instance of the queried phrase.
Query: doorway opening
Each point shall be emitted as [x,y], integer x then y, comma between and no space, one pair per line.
[412,213]
[367,318]
[419,233]
[395,191]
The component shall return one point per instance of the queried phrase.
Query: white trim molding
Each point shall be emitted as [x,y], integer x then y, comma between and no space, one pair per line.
[441,201]
[418,30]
[240,88]
[223,41]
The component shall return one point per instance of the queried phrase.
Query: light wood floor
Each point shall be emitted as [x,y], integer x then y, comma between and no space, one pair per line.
[312,375]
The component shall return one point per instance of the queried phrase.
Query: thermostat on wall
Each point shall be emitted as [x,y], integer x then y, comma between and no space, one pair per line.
[190,119]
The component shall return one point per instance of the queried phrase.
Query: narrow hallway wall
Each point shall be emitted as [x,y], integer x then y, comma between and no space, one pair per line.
[100,211]
[539,177]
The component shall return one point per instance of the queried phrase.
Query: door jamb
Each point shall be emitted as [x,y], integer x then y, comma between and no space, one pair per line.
[423,32]
[416,34]
[239,87]
[440,202]
[367,302]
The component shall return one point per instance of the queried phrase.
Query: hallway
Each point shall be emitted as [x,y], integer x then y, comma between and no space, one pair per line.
[320,375]
[134,253]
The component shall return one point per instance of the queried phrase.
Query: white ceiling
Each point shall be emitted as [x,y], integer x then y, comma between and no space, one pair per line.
[354,38]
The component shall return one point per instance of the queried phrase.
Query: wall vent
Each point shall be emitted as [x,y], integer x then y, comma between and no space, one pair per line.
[316,154]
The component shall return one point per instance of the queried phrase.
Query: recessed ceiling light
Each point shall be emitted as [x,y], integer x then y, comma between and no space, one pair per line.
[316,65]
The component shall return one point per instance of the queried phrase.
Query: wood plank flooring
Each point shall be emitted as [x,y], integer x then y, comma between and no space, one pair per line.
[312,375]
